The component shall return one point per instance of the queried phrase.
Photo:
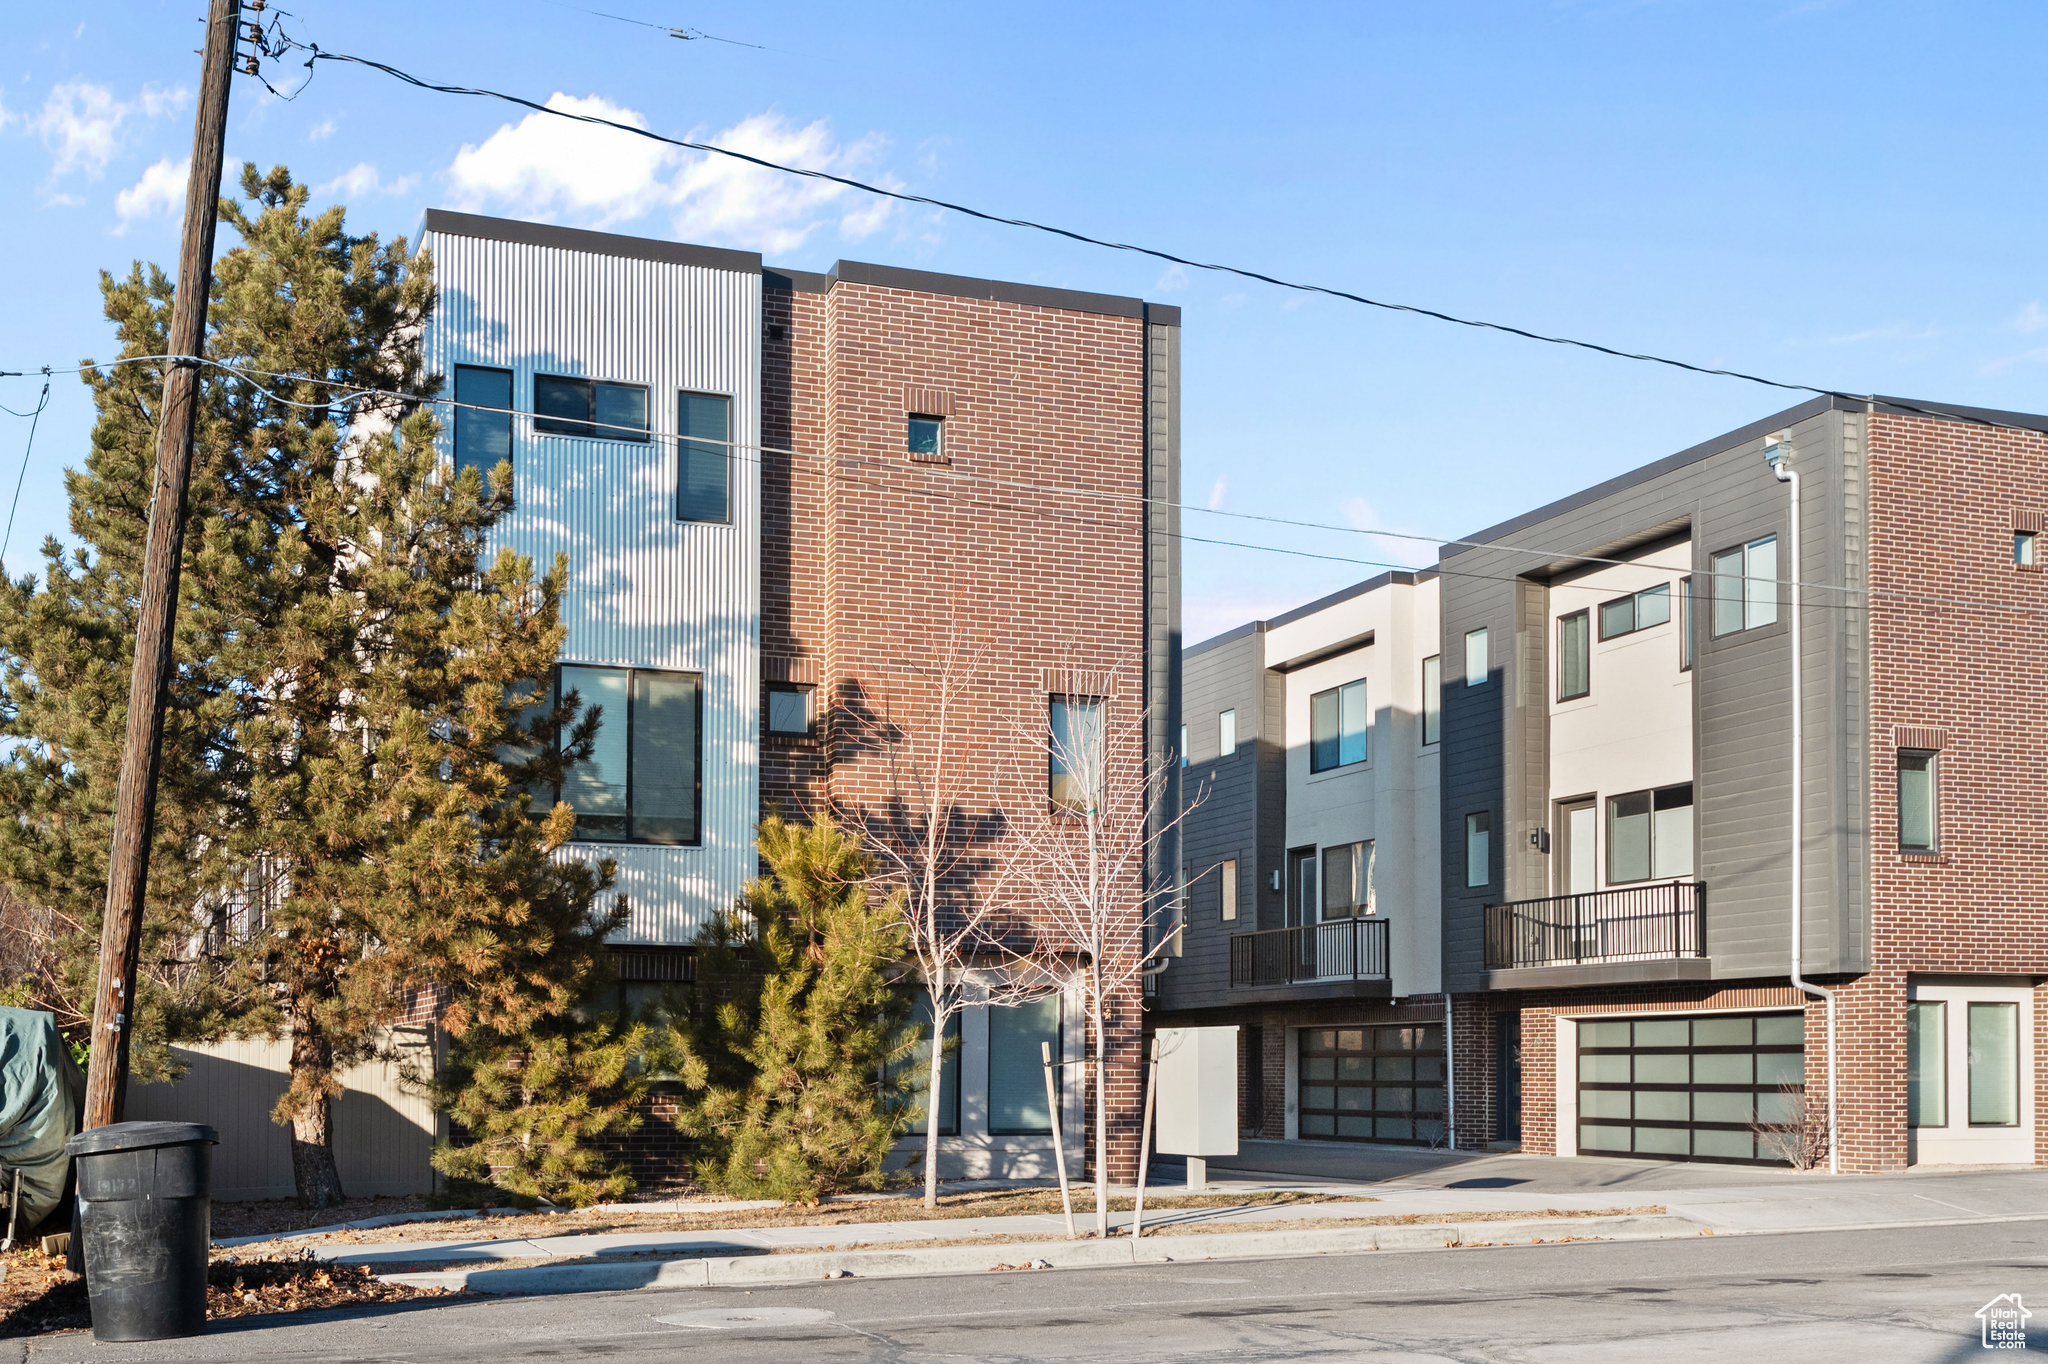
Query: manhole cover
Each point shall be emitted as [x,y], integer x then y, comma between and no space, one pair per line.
[740,1318]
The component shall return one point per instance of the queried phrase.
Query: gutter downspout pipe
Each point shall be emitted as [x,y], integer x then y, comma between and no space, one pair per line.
[1778,455]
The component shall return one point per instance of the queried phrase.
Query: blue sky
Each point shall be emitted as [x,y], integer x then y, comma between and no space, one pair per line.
[1839,193]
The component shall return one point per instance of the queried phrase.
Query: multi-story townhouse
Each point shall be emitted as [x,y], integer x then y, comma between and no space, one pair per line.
[1310,856]
[776,491]
[1653,951]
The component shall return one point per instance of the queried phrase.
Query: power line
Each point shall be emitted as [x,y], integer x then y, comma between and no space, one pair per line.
[686,34]
[1154,252]
[35,419]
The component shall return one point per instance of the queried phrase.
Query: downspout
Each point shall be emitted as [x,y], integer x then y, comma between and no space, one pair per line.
[1450,1076]
[1778,455]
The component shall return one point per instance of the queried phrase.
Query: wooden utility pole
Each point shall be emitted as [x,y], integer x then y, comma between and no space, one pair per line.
[135,804]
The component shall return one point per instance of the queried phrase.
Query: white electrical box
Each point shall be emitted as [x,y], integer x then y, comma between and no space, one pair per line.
[1197,1100]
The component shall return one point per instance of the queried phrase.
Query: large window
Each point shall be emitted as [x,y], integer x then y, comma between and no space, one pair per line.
[703,457]
[1637,611]
[641,783]
[1649,835]
[1476,660]
[1919,819]
[916,1069]
[1574,656]
[1479,848]
[585,407]
[1746,586]
[1016,1065]
[1338,720]
[483,439]
[1433,699]
[1347,880]
[1927,1064]
[1074,751]
[1994,1064]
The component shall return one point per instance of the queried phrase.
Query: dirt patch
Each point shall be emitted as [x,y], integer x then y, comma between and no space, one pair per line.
[267,1217]
[40,1295]
[850,1212]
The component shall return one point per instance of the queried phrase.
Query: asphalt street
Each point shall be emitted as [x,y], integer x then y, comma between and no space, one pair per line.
[1906,1294]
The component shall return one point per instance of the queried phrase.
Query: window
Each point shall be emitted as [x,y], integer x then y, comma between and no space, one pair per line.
[1226,733]
[1637,611]
[1685,622]
[926,438]
[1347,881]
[1746,586]
[916,1070]
[1649,835]
[483,440]
[641,783]
[1074,748]
[1183,745]
[1016,1065]
[1479,848]
[1994,1065]
[1927,1064]
[2024,549]
[1918,822]
[1337,724]
[1574,660]
[1433,699]
[1476,663]
[703,457]
[1226,879]
[582,407]
[789,708]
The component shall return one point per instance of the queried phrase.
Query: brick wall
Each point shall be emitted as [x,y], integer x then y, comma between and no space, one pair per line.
[1942,500]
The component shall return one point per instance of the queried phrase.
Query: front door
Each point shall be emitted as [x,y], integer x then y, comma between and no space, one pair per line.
[1969,1074]
[1507,1033]
[1574,867]
[1302,905]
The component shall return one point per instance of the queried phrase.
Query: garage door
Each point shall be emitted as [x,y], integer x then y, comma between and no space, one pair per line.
[1688,1088]
[1373,1084]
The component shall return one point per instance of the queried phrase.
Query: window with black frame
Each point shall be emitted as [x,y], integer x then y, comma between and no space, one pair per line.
[589,407]
[643,780]
[1574,656]
[703,457]
[483,418]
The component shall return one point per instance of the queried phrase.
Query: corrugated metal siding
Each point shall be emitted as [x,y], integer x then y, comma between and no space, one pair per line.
[645,590]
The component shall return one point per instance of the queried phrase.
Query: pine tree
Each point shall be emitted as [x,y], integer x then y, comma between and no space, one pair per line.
[795,1099]
[344,817]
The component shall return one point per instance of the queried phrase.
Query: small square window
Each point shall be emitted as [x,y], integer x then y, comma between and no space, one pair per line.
[927,438]
[2025,548]
[789,709]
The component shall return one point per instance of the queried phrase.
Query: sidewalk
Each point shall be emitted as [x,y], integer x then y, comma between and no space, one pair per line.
[1499,1200]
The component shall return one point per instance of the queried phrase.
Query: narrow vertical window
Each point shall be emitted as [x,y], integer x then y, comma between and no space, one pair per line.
[1918,821]
[2024,551]
[1183,745]
[1432,699]
[1476,661]
[1479,848]
[483,438]
[596,790]
[1685,622]
[1628,838]
[1994,1065]
[1074,752]
[703,457]
[1727,591]
[1226,877]
[916,1069]
[1226,733]
[1574,662]
[1927,1064]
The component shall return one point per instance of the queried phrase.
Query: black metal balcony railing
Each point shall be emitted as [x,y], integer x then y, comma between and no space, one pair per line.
[1632,923]
[1338,950]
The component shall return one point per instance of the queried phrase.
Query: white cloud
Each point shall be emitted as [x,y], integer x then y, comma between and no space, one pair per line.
[2031,318]
[1172,278]
[1216,496]
[82,124]
[161,190]
[1402,546]
[549,167]
[322,131]
[362,179]
[2006,363]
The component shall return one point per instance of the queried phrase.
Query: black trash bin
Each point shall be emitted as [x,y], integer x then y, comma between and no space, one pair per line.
[145,1205]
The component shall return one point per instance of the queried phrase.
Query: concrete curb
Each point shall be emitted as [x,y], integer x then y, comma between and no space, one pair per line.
[713,1272]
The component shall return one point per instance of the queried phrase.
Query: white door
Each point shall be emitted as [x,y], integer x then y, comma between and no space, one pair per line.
[1969,1075]
[1581,846]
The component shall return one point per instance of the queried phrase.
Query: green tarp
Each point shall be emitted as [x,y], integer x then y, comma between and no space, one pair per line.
[40,1093]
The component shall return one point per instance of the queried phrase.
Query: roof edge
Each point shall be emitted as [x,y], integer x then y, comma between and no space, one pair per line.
[549,235]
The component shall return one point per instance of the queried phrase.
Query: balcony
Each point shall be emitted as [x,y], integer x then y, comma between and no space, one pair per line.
[1633,933]
[1340,958]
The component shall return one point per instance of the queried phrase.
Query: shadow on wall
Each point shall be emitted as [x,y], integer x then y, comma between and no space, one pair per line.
[383,1136]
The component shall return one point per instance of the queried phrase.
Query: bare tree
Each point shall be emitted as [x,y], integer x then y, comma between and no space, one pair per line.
[931,850]
[1799,1135]
[1081,863]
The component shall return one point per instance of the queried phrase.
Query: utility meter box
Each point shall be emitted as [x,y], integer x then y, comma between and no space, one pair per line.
[1197,1103]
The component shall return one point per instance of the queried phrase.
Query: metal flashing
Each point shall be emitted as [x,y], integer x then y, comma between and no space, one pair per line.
[593,243]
